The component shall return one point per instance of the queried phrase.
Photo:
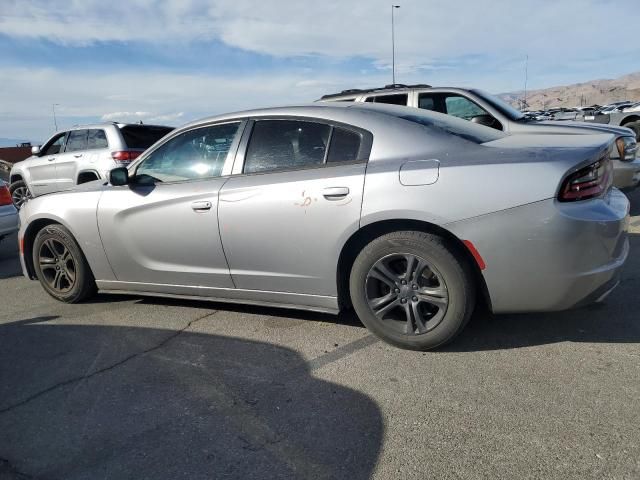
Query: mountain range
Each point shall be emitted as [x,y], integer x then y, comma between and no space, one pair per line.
[598,92]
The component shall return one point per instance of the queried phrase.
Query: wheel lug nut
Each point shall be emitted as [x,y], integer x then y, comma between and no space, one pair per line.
[415,299]
[397,290]
[403,282]
[404,300]
[415,287]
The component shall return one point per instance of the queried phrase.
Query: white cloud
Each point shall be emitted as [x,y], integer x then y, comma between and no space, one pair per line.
[108,117]
[26,96]
[140,116]
[478,43]
[425,30]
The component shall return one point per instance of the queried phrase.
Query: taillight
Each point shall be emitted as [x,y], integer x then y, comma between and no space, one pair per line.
[125,156]
[5,196]
[588,182]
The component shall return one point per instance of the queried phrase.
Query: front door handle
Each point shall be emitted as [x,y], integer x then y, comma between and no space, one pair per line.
[201,206]
[335,193]
[51,159]
[78,155]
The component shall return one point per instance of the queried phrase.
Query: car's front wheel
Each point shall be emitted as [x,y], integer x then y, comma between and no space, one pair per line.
[19,193]
[410,290]
[60,265]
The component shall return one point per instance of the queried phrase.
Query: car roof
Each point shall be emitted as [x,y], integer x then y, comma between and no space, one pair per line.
[109,124]
[370,116]
[354,92]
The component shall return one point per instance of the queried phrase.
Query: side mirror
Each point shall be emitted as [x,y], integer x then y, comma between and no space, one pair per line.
[486,120]
[119,176]
[35,150]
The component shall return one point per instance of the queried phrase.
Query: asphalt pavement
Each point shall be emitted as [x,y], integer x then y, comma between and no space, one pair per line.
[129,387]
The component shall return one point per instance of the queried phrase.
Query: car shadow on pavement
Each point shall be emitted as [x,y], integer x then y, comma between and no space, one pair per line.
[347,317]
[9,261]
[613,321]
[79,401]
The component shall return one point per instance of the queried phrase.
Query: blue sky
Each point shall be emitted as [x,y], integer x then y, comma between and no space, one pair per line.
[176,60]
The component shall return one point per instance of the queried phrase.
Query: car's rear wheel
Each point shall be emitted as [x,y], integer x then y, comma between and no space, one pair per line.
[60,265]
[19,193]
[410,290]
[635,126]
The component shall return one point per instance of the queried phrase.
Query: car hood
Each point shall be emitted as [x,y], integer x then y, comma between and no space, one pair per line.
[572,127]
[94,186]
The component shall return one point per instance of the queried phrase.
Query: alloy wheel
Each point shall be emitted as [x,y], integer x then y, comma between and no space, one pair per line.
[19,196]
[57,265]
[406,293]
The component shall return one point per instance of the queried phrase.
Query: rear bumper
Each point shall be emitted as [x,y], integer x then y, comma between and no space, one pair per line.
[626,175]
[550,256]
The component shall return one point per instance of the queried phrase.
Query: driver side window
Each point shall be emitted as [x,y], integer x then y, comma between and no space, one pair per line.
[54,146]
[463,108]
[195,154]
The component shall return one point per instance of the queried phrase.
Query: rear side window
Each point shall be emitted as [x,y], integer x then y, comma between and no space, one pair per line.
[142,136]
[280,144]
[395,99]
[344,147]
[96,139]
[77,141]
[426,102]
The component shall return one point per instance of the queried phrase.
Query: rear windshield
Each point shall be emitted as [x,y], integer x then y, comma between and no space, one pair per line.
[454,126]
[143,136]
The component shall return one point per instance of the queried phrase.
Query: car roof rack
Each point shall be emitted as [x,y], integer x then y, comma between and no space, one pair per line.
[392,86]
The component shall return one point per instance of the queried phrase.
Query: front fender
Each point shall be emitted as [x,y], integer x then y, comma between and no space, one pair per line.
[76,211]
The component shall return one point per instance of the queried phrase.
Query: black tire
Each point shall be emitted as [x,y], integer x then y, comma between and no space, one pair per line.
[60,265]
[19,192]
[447,274]
[635,126]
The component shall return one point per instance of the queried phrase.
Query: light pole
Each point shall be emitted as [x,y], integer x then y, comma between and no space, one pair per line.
[393,46]
[53,109]
[526,76]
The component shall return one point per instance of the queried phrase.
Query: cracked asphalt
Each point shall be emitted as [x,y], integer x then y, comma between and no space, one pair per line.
[129,387]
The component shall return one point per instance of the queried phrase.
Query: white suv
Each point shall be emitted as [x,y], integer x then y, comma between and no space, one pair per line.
[79,155]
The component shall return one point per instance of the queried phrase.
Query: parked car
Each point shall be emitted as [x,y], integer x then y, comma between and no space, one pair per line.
[567,114]
[5,168]
[632,108]
[409,216]
[8,213]
[480,107]
[626,115]
[79,155]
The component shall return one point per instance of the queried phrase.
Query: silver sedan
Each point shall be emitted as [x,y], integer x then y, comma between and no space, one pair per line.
[410,217]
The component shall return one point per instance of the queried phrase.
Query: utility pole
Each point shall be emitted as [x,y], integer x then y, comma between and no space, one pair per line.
[393,46]
[53,109]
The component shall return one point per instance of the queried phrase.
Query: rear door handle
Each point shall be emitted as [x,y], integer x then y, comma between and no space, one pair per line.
[78,155]
[335,193]
[51,159]
[201,206]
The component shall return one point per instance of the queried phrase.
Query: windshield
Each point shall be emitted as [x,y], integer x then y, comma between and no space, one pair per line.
[500,105]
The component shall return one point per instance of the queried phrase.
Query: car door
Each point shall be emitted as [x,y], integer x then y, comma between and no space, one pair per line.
[42,169]
[67,161]
[292,204]
[160,232]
